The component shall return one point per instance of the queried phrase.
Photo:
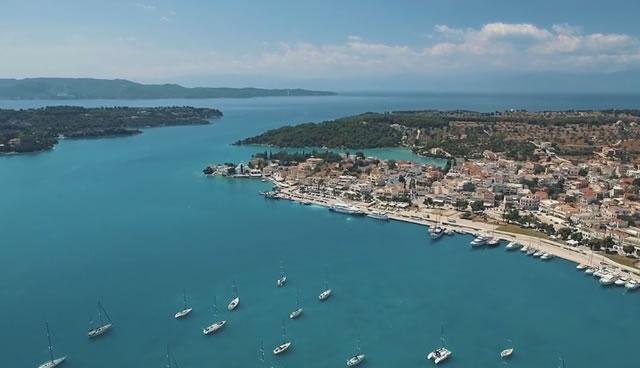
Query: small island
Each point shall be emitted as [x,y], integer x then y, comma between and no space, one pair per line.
[32,130]
[514,134]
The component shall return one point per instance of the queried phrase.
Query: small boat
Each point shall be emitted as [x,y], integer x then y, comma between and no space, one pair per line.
[512,246]
[233,304]
[283,278]
[379,215]
[217,325]
[441,353]
[493,242]
[104,327]
[436,232]
[506,353]
[632,285]
[356,359]
[546,256]
[185,311]
[538,253]
[285,344]
[326,293]
[479,241]
[531,251]
[607,280]
[524,249]
[53,362]
[296,313]
[621,281]
[306,203]
[589,271]
[581,266]
[449,232]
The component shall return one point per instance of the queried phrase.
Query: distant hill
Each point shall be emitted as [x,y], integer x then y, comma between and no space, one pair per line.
[86,88]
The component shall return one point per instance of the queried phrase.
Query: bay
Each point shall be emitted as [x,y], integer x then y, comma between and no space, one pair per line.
[132,221]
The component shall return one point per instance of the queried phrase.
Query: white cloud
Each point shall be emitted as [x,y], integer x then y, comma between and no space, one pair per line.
[354,38]
[145,6]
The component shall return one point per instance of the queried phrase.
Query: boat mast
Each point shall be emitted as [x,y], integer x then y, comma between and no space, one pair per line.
[49,338]
[100,313]
[262,354]
[184,297]
[235,289]
[105,314]
[442,335]
[281,269]
[284,334]
[215,307]
[297,299]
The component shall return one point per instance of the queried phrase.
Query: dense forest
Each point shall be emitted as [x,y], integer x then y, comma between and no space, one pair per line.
[87,88]
[33,130]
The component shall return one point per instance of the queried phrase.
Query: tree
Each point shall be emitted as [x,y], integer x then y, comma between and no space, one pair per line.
[538,169]
[565,232]
[428,202]
[392,164]
[477,206]
[628,249]
[595,244]
[583,172]
[461,204]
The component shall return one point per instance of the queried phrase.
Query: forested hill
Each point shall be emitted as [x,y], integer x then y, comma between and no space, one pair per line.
[33,130]
[86,88]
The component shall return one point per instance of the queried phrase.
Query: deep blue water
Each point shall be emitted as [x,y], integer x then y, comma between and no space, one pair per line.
[131,221]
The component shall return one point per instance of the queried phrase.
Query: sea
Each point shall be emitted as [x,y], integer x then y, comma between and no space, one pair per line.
[132,222]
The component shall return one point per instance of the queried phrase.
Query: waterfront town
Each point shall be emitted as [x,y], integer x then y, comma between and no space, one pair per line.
[583,208]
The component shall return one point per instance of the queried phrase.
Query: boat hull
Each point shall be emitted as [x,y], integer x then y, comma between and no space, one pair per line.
[281,281]
[53,363]
[281,348]
[324,295]
[439,355]
[506,353]
[183,313]
[233,304]
[214,327]
[295,314]
[100,330]
[355,360]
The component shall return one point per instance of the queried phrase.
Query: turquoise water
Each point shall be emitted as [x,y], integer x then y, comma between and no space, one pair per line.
[131,221]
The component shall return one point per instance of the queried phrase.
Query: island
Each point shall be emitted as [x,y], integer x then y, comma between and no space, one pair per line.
[88,88]
[31,130]
[469,134]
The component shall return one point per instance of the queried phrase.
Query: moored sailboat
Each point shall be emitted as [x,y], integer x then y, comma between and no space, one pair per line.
[441,353]
[217,325]
[285,344]
[326,293]
[185,311]
[103,327]
[283,278]
[53,362]
[357,358]
[296,313]
[233,304]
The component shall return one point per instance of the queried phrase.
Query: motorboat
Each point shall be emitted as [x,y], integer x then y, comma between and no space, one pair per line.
[53,362]
[538,253]
[607,280]
[378,215]
[103,327]
[355,360]
[621,281]
[512,246]
[581,266]
[524,249]
[546,256]
[436,232]
[506,353]
[589,271]
[479,241]
[345,208]
[493,242]
[632,285]
[449,232]
[439,355]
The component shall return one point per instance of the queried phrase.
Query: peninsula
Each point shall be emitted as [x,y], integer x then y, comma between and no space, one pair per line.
[33,130]
[87,88]
[574,135]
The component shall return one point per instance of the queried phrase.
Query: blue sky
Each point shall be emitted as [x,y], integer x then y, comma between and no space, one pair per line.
[336,44]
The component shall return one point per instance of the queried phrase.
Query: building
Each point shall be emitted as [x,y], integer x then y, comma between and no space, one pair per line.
[529,203]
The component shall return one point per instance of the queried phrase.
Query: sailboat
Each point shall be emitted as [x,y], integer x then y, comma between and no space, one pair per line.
[296,313]
[233,304]
[185,310]
[326,293]
[283,278]
[53,362]
[441,353]
[262,360]
[104,327]
[171,360]
[217,325]
[356,359]
[285,344]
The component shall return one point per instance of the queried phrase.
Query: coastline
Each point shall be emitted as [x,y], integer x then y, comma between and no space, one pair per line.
[559,250]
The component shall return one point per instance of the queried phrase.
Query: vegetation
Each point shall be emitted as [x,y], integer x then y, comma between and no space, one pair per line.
[33,130]
[86,88]
[518,230]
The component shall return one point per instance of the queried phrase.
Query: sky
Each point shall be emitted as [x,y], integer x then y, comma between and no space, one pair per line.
[346,44]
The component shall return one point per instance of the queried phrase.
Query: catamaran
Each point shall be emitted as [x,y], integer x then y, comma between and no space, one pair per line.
[296,313]
[283,278]
[184,310]
[285,344]
[53,362]
[326,293]
[233,304]
[217,325]
[441,353]
[104,327]
[356,359]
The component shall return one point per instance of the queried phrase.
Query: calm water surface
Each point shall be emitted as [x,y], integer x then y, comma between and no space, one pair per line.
[131,222]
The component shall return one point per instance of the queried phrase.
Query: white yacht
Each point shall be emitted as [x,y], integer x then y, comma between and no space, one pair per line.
[524,249]
[632,285]
[589,271]
[356,359]
[621,281]
[512,246]
[436,232]
[581,266]
[378,215]
[531,251]
[217,325]
[538,253]
[185,311]
[283,278]
[441,353]
[326,293]
[479,241]
[493,242]
[284,346]
[608,280]
[345,208]
[546,256]
[233,304]
[53,362]
[296,313]
[104,327]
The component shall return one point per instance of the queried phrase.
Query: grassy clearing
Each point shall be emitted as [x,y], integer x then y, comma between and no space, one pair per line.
[629,262]
[518,230]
